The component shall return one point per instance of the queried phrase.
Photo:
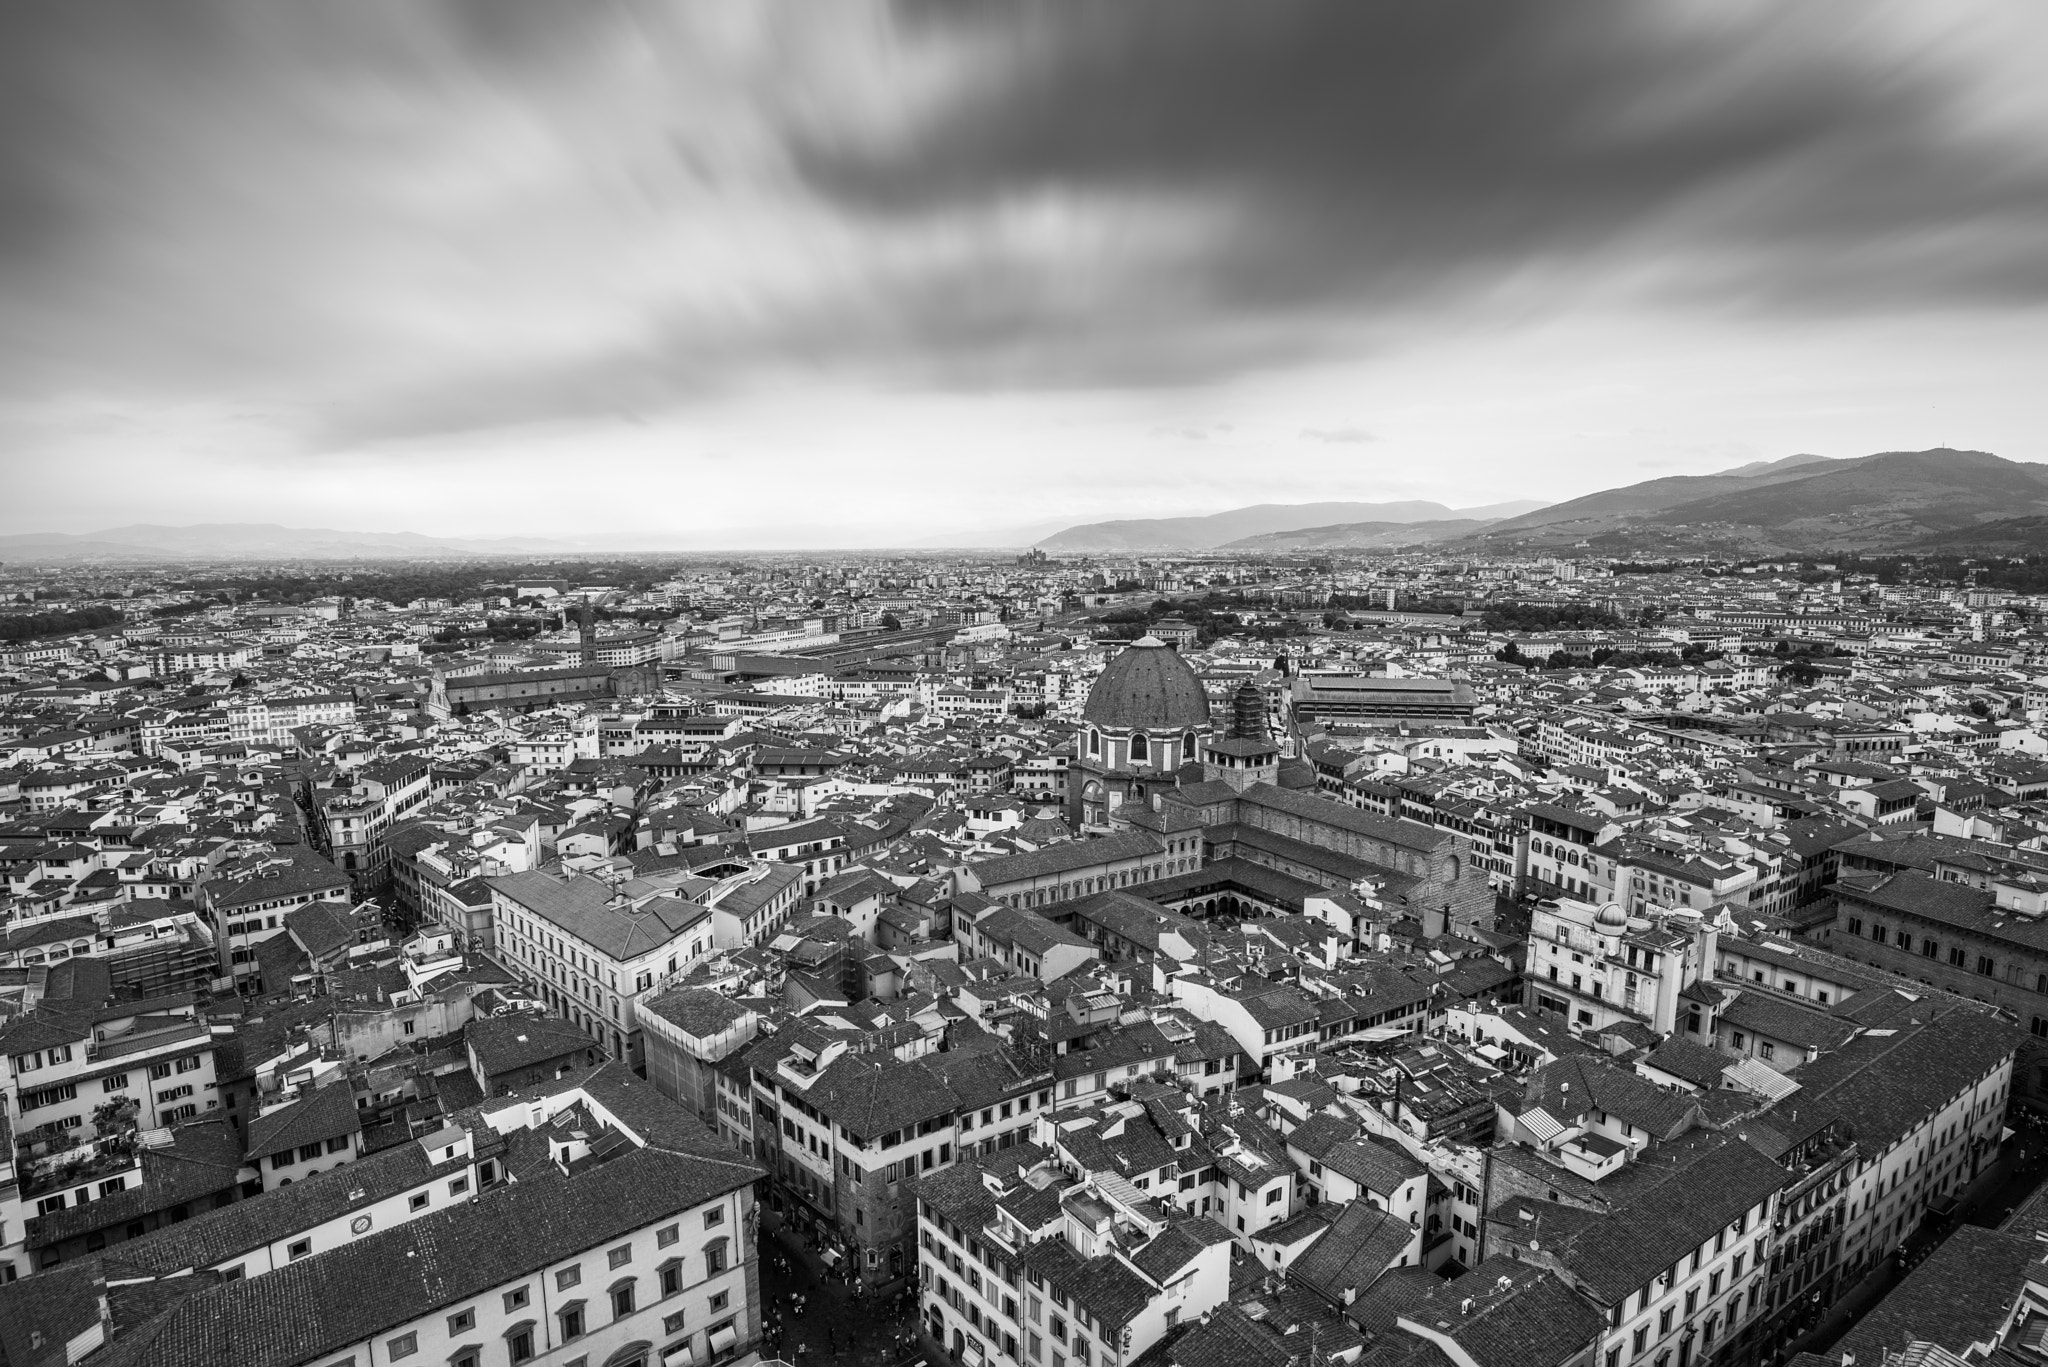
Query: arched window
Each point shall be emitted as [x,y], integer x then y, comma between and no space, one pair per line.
[1094,741]
[1187,745]
[1138,752]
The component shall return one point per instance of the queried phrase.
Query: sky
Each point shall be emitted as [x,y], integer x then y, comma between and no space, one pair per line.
[787,274]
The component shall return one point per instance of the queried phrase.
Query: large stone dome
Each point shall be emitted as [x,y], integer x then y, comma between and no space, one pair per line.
[1147,687]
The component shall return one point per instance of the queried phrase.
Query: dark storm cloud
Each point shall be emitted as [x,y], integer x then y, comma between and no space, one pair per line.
[1363,153]
[248,201]
[1303,179]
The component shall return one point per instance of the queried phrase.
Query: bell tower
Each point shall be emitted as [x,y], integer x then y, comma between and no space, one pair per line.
[1247,755]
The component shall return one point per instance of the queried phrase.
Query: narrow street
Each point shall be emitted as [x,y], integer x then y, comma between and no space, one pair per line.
[2007,1181]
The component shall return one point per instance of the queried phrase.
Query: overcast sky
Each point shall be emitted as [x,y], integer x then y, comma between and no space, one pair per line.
[833,273]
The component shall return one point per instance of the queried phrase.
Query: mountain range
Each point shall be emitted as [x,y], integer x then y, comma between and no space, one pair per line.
[1240,525]
[1939,501]
[1936,500]
[1361,536]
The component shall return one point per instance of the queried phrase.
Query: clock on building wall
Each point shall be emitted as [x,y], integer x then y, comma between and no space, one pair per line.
[359,1225]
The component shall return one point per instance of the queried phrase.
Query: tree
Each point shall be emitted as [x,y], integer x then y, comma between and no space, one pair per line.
[891,622]
[1547,617]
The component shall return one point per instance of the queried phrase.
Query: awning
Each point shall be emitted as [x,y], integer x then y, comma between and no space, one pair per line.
[723,1338]
[972,1353]
[831,1257]
[678,1355]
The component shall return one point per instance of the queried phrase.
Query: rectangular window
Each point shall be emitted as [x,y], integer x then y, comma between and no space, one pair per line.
[114,1083]
[461,1322]
[571,1320]
[299,1248]
[519,1345]
[418,1202]
[404,1346]
[568,1277]
[338,1144]
[620,1256]
[667,1235]
[671,1279]
[714,1217]
[671,1324]
[622,1301]
[517,1298]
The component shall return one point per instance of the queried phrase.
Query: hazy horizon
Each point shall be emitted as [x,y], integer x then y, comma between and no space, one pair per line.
[887,275]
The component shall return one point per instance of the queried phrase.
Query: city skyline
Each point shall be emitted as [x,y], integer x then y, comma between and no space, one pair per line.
[884,276]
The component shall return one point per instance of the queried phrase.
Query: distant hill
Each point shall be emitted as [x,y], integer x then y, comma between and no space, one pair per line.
[1895,500]
[2005,536]
[1764,467]
[1656,495]
[1220,529]
[251,541]
[1360,536]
